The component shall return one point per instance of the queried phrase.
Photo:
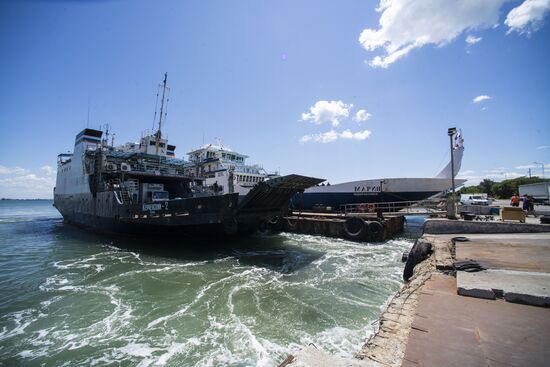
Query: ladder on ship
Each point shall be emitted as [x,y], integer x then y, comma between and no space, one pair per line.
[125,197]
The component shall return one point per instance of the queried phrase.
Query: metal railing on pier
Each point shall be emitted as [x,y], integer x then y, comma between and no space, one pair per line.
[423,207]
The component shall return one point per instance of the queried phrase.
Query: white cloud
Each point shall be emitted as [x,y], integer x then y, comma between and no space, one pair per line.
[405,25]
[528,16]
[472,40]
[13,171]
[21,183]
[327,111]
[543,147]
[362,115]
[333,135]
[48,170]
[409,24]
[481,98]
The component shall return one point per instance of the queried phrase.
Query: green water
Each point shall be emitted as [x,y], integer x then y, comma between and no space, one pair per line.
[72,298]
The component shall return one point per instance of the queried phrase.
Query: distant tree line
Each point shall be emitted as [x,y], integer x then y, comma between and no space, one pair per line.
[501,190]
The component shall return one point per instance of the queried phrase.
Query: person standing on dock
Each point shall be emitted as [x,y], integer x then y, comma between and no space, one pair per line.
[514,201]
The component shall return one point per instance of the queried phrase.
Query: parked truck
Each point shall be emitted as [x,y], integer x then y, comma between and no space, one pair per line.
[539,191]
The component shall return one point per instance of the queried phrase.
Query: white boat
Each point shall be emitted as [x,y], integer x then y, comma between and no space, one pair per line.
[383,190]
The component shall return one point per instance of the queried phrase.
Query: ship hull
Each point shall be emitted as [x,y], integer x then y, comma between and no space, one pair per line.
[372,191]
[104,214]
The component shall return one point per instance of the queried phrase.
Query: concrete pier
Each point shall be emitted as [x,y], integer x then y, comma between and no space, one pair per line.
[496,316]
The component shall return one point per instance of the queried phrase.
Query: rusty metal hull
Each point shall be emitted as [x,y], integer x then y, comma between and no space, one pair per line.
[191,216]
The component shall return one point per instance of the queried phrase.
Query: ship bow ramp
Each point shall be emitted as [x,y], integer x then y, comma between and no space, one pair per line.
[270,198]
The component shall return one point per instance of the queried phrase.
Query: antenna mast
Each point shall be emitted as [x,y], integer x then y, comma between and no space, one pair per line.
[158,134]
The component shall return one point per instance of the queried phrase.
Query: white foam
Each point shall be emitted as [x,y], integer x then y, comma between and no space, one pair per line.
[138,350]
[176,348]
[20,319]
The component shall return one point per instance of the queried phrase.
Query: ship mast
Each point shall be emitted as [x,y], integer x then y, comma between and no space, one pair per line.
[158,133]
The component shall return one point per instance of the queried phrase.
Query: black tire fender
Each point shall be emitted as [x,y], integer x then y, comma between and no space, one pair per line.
[275,224]
[419,252]
[292,224]
[376,227]
[355,228]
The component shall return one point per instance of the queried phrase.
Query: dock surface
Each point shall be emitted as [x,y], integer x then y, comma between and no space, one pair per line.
[497,316]
[453,330]
[490,317]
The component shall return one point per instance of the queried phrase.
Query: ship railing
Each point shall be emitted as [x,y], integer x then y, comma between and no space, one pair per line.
[404,207]
[160,169]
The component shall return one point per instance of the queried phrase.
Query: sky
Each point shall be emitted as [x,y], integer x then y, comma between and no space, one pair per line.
[342,90]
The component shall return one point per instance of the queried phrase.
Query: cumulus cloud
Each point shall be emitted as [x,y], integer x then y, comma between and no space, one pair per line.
[21,183]
[405,25]
[362,115]
[472,40]
[327,111]
[528,16]
[12,171]
[333,135]
[481,98]
[48,170]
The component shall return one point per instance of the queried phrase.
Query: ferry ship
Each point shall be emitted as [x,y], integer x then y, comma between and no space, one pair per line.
[141,188]
[383,190]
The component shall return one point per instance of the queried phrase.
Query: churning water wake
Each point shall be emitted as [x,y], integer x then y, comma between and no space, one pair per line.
[68,297]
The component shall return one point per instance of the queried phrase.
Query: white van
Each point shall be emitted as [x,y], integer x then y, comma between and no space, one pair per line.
[474,199]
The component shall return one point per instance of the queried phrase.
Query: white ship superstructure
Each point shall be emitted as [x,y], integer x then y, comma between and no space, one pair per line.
[226,170]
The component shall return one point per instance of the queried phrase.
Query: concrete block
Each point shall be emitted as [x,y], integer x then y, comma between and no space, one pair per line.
[443,226]
[530,288]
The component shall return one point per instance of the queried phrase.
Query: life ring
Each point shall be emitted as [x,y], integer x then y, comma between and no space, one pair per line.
[355,228]
[371,208]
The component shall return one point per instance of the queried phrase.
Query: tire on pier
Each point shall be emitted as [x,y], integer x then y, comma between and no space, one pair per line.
[275,224]
[419,252]
[376,230]
[292,224]
[355,228]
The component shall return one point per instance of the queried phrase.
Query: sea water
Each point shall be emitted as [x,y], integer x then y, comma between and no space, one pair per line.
[69,297]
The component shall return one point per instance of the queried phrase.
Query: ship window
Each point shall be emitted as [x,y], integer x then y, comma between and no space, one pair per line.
[152,142]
